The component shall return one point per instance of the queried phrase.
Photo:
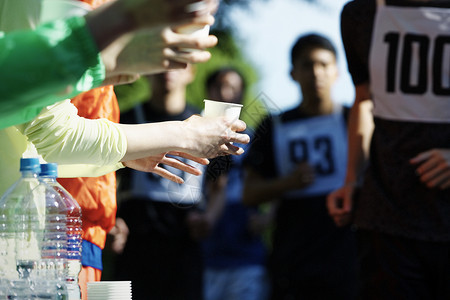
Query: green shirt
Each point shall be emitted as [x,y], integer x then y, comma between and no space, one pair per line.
[56,61]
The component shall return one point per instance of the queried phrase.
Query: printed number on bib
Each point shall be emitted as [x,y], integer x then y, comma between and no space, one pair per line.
[414,50]
[322,147]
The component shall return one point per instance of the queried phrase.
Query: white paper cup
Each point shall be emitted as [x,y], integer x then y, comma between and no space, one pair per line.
[195,6]
[218,109]
[194,30]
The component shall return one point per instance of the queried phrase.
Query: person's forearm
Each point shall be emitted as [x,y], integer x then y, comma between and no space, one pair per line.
[216,191]
[259,190]
[197,136]
[360,131]
[61,136]
[107,23]
[153,138]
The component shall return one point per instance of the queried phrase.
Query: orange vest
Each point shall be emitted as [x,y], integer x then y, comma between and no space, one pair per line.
[96,195]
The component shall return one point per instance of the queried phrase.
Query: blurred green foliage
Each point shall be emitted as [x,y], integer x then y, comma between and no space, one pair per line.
[132,94]
[228,54]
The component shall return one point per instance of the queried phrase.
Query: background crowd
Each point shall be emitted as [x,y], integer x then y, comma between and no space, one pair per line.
[317,201]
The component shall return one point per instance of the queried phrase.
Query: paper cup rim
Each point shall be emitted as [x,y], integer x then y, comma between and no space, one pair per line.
[222,102]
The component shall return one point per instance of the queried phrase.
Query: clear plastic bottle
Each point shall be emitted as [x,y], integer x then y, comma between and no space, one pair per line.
[49,174]
[48,281]
[19,229]
[33,239]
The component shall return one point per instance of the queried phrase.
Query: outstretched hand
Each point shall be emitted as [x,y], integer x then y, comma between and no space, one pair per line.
[154,51]
[150,13]
[213,136]
[151,164]
[302,176]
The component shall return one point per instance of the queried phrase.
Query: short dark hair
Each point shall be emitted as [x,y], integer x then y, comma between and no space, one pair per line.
[312,40]
[214,76]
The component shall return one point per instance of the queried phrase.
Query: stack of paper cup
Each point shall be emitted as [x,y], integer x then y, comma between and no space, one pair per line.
[218,109]
[109,290]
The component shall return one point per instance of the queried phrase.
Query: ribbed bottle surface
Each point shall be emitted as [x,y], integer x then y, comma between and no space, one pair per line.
[19,225]
[33,238]
[73,230]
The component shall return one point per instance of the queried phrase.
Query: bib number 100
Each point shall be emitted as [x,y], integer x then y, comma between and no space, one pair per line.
[417,82]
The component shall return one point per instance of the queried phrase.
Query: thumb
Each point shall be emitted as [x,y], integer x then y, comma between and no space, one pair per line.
[420,157]
[347,203]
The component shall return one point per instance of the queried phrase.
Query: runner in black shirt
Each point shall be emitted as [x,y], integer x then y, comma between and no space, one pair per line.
[397,54]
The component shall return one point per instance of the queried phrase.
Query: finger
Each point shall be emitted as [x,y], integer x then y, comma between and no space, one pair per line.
[178,164]
[241,138]
[236,125]
[347,203]
[185,16]
[331,204]
[428,168]
[420,157]
[175,59]
[213,5]
[438,180]
[193,57]
[120,79]
[228,148]
[445,184]
[202,161]
[169,64]
[199,18]
[443,180]
[168,175]
[434,173]
[210,5]
[190,41]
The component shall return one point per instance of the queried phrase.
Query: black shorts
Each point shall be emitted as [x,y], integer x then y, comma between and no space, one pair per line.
[392,267]
[160,258]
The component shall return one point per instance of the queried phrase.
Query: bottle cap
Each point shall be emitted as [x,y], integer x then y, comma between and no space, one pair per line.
[30,164]
[49,169]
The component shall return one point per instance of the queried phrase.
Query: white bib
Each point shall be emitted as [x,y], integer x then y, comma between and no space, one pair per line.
[320,141]
[153,186]
[410,63]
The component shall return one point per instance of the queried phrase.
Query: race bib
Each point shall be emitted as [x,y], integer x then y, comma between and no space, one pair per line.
[320,141]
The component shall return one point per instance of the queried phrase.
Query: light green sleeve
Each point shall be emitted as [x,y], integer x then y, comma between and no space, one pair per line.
[56,61]
[61,136]
[72,171]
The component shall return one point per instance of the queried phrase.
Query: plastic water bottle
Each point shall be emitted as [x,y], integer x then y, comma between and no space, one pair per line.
[49,173]
[48,281]
[19,231]
[33,238]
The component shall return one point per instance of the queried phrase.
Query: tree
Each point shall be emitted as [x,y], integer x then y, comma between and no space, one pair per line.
[228,54]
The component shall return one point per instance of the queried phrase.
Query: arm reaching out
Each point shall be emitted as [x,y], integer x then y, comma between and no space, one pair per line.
[340,202]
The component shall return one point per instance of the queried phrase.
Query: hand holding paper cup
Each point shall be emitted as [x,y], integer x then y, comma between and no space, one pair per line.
[218,109]
[194,30]
[222,109]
